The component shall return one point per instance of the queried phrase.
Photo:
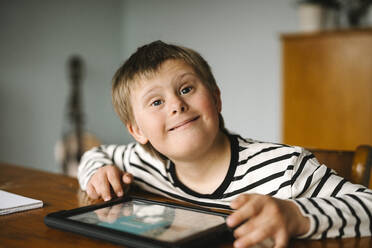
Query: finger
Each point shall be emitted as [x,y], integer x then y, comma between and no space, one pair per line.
[246,211]
[252,237]
[127,178]
[256,224]
[240,200]
[113,177]
[260,230]
[92,192]
[103,188]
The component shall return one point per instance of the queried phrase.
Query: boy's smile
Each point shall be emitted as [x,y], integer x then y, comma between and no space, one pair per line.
[175,111]
[184,124]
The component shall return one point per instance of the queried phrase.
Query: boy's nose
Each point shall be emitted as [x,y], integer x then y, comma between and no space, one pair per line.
[178,105]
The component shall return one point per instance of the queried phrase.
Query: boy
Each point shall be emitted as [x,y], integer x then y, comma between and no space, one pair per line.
[169,101]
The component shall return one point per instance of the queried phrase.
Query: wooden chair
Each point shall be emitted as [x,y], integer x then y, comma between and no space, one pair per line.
[355,166]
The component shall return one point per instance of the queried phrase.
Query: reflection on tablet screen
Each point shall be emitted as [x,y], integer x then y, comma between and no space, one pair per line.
[151,220]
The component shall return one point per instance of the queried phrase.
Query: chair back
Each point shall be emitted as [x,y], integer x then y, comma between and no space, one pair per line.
[354,166]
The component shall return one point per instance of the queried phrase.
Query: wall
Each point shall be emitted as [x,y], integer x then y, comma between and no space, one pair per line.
[37,38]
[239,38]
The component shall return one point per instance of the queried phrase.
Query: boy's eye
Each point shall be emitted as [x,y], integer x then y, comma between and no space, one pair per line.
[185,90]
[156,103]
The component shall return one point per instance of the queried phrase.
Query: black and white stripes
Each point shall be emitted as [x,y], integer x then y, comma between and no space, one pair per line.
[335,207]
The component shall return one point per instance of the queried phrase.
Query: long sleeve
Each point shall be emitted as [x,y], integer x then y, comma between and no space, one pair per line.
[131,158]
[336,207]
[98,157]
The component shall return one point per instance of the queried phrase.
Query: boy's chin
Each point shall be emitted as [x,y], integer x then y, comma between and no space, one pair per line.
[189,147]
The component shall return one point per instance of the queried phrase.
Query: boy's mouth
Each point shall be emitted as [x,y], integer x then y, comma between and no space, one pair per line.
[183,123]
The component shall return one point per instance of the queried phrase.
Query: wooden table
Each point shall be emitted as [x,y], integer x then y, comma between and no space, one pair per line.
[60,192]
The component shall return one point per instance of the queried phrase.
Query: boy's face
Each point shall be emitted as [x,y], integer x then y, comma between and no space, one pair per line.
[175,112]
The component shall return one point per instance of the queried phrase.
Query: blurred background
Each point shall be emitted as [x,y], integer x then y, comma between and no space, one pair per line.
[239,38]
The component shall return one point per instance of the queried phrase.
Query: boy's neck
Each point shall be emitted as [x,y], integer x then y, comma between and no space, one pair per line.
[206,173]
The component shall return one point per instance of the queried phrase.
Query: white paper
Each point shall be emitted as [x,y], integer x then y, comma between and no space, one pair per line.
[10,203]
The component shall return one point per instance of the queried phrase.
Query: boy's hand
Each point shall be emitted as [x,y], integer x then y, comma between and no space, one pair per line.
[261,217]
[104,179]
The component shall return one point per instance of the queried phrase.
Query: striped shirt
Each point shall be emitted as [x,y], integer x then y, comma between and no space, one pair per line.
[335,207]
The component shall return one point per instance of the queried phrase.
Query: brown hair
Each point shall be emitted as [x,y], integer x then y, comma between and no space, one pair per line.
[144,63]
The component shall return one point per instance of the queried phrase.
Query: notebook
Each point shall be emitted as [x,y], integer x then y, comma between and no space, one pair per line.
[11,203]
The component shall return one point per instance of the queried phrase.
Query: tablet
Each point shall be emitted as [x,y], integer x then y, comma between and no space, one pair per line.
[137,222]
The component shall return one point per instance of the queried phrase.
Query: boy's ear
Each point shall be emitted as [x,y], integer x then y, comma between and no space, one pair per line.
[137,133]
[217,98]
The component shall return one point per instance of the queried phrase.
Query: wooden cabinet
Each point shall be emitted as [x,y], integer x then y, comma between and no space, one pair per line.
[327,89]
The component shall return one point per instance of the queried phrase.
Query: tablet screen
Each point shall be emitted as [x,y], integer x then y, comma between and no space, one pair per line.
[165,223]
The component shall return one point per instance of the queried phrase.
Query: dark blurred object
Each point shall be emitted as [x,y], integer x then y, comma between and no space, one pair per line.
[354,12]
[338,13]
[75,140]
[324,3]
[75,112]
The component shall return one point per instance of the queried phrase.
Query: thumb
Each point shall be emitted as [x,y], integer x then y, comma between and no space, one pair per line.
[127,178]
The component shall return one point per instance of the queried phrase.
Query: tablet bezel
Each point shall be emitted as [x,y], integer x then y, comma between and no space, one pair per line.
[61,221]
